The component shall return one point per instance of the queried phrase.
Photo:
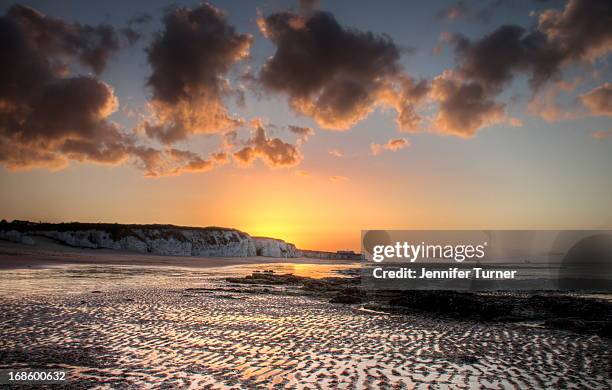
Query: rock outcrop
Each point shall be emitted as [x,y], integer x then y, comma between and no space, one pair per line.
[155,239]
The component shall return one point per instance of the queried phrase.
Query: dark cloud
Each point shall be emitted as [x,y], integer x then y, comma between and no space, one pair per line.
[133,30]
[331,73]
[190,59]
[273,151]
[464,106]
[46,116]
[494,59]
[599,100]
[303,133]
[49,117]
[132,35]
[92,46]
[581,31]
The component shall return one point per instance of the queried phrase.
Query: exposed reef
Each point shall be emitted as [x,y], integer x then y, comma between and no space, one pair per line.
[586,315]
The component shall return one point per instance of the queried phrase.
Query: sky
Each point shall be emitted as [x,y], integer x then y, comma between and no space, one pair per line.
[308,121]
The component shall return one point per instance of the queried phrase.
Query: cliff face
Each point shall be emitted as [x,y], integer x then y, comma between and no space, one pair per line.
[155,239]
[271,247]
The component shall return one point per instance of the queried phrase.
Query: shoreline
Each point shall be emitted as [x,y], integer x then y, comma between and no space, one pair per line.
[48,253]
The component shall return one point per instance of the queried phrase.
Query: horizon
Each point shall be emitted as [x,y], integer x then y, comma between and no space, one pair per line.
[212,227]
[307,121]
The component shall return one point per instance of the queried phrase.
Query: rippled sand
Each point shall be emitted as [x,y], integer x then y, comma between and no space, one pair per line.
[148,330]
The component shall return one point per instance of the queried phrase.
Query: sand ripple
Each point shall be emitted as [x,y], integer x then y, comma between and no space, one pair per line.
[172,338]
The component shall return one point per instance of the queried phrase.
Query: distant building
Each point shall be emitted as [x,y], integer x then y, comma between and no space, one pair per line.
[338,255]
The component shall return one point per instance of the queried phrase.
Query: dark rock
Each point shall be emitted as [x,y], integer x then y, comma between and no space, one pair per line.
[346,299]
[606,330]
[268,279]
[466,359]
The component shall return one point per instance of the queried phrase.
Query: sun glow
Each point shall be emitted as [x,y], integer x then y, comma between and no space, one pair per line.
[293,208]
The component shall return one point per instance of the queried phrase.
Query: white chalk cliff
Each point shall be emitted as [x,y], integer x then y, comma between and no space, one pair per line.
[166,240]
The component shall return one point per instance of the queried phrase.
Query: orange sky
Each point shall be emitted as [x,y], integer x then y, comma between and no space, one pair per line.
[239,135]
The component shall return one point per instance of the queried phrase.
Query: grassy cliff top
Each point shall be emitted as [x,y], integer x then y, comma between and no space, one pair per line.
[116,229]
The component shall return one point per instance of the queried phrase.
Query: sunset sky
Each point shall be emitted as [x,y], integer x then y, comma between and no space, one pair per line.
[308,121]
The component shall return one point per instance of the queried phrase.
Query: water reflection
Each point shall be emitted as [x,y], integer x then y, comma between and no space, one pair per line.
[74,279]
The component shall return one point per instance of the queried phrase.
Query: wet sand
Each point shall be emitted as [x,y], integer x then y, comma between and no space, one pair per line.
[180,328]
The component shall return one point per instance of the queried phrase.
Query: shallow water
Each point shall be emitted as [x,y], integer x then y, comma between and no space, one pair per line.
[127,327]
[75,279]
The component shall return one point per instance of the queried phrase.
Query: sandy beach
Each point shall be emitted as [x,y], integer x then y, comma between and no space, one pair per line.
[47,252]
[135,326]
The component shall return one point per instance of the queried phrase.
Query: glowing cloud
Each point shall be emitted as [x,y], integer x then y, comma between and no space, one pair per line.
[273,151]
[190,59]
[391,145]
[599,100]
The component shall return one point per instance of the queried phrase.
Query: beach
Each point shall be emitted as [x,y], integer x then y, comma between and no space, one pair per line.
[133,325]
[48,252]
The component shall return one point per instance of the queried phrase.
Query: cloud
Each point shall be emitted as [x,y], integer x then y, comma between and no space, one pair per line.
[338,178]
[391,145]
[47,116]
[494,59]
[452,12]
[579,32]
[174,162]
[273,151]
[335,152]
[190,59]
[303,133]
[599,100]
[405,100]
[545,103]
[602,134]
[464,106]
[92,46]
[333,74]
[467,95]
[481,11]
[132,32]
